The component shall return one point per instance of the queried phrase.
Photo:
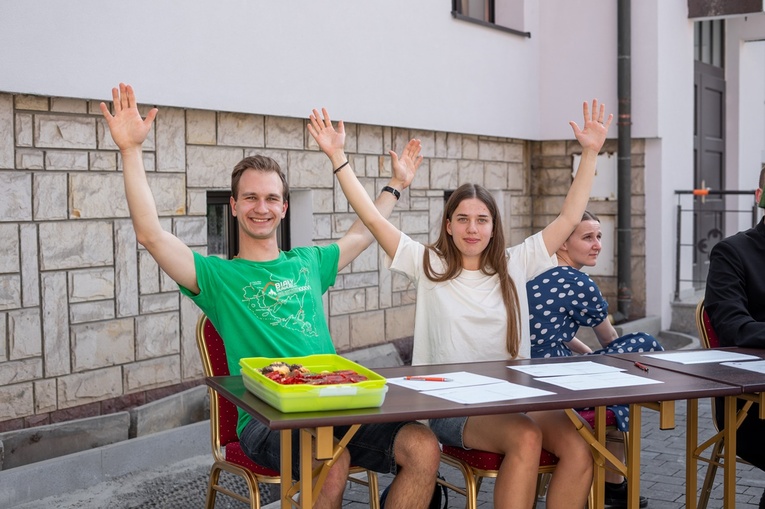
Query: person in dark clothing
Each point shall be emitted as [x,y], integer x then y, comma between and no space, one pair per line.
[735,303]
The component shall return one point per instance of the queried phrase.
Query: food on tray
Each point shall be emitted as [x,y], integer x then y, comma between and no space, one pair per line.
[290,374]
[283,368]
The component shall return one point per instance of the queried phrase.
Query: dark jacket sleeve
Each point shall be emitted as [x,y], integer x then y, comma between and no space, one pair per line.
[731,283]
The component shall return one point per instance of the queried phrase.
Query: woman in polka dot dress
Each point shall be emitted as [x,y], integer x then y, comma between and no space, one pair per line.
[564,298]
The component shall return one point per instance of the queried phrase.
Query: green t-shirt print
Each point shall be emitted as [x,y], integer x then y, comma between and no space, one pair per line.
[268,309]
[285,303]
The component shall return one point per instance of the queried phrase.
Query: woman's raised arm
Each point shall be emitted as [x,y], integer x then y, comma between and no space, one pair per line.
[591,138]
[404,168]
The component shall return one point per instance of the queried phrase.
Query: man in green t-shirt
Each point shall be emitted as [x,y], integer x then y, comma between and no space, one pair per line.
[267,302]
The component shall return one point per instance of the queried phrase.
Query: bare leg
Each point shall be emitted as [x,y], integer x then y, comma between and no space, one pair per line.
[615,444]
[520,440]
[417,456]
[572,478]
[331,495]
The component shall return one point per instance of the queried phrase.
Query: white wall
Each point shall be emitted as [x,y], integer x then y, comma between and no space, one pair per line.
[577,62]
[745,82]
[389,62]
[669,152]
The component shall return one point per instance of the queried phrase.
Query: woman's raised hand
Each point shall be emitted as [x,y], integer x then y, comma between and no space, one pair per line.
[593,134]
[330,141]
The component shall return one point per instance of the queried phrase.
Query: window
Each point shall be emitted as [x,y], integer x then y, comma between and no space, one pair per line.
[477,9]
[492,13]
[222,238]
[222,228]
[709,42]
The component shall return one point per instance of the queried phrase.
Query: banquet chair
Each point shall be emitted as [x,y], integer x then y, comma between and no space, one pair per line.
[709,339]
[475,464]
[227,452]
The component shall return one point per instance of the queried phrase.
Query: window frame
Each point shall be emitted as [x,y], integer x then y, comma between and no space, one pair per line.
[457,14]
[222,199]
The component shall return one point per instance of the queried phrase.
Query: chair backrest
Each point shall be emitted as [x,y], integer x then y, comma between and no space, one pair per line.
[213,353]
[707,334]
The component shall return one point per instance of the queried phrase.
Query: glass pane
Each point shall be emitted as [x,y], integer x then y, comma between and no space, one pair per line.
[706,38]
[697,40]
[478,9]
[718,43]
[709,42]
[217,230]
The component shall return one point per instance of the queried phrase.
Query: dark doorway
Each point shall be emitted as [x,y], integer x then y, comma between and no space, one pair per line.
[709,164]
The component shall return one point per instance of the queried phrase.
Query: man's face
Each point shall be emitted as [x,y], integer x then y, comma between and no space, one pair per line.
[260,206]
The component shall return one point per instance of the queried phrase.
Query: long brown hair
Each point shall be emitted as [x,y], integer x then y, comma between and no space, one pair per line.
[493,258]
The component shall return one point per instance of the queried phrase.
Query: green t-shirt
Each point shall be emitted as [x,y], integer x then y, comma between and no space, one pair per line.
[268,309]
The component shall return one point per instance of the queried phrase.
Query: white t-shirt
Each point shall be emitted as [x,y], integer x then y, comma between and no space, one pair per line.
[464,319]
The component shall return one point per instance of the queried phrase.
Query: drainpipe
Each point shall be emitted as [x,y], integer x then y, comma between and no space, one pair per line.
[624,162]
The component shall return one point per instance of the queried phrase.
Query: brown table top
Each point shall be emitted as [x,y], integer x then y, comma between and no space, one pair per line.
[749,381]
[402,404]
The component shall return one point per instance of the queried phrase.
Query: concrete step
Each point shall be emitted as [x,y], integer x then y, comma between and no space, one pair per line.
[684,317]
[669,339]
[30,445]
[84,469]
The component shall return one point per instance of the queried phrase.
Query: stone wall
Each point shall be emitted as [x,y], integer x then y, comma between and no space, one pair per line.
[551,165]
[87,319]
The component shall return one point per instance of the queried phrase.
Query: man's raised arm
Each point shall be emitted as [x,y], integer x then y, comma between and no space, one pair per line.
[129,131]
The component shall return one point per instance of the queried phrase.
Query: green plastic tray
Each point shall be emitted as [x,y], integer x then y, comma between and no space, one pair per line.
[313,398]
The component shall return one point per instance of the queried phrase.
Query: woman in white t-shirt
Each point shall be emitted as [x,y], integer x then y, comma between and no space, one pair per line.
[472,306]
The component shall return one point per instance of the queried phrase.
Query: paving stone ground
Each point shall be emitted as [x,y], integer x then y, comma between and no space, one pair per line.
[183,484]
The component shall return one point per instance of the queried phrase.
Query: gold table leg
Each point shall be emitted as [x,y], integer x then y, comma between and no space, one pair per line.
[633,457]
[691,465]
[729,453]
[318,443]
[286,468]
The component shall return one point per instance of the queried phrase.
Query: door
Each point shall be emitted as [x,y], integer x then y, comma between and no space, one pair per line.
[709,165]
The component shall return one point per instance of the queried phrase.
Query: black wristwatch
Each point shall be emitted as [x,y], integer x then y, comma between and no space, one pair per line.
[393,191]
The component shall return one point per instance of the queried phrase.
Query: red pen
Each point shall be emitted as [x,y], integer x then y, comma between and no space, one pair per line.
[641,366]
[428,378]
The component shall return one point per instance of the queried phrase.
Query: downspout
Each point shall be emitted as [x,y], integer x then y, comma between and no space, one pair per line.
[624,162]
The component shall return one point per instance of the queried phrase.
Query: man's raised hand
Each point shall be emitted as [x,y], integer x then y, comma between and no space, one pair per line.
[127,128]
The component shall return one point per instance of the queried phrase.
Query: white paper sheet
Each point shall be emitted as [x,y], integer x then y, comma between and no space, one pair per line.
[756,366]
[487,393]
[458,379]
[702,356]
[598,381]
[568,368]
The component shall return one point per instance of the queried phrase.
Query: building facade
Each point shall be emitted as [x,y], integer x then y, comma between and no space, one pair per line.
[88,323]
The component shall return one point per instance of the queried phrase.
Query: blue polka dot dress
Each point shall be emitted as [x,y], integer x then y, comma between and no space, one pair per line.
[561,300]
